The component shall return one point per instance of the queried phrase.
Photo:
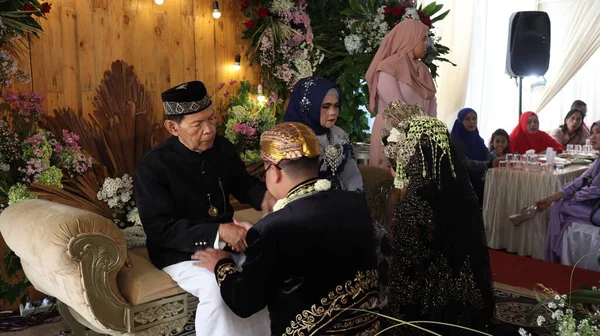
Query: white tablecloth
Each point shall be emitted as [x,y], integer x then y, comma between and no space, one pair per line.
[579,240]
[507,192]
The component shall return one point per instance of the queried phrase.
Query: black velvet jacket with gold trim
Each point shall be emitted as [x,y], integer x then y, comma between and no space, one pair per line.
[307,262]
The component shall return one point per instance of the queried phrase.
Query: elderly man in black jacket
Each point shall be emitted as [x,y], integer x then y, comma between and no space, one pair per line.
[182,190]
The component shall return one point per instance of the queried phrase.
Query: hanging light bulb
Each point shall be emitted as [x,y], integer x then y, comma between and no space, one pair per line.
[237,65]
[216,13]
[159,2]
[261,97]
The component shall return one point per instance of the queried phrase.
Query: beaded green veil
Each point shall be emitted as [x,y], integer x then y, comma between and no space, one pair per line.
[407,130]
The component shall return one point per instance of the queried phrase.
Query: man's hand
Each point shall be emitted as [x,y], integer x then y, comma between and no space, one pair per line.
[209,258]
[245,225]
[234,236]
[267,203]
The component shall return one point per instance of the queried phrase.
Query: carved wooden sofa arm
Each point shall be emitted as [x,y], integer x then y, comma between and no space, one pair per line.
[76,256]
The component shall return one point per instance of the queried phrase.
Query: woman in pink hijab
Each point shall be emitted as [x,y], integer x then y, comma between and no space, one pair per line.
[397,72]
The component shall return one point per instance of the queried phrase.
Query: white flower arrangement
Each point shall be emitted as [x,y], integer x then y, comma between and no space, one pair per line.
[320,185]
[118,194]
[566,322]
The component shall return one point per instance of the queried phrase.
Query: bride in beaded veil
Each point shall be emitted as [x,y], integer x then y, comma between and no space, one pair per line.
[440,268]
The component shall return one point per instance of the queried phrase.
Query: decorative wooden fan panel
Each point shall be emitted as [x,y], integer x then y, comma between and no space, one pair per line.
[120,130]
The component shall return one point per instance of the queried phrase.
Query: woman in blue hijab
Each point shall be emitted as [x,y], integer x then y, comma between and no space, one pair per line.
[315,102]
[472,148]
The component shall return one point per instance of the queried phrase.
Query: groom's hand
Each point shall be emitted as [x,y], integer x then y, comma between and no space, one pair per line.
[209,258]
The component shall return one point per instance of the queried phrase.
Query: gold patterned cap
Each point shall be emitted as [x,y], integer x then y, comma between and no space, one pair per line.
[289,141]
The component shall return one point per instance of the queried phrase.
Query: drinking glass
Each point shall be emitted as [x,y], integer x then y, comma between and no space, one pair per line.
[535,166]
[509,157]
[502,164]
[560,168]
[544,167]
[516,157]
[577,149]
[570,149]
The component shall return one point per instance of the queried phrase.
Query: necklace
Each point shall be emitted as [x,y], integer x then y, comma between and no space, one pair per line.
[301,190]
[212,210]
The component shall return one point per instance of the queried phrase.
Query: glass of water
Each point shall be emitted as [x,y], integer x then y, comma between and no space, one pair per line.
[560,168]
[577,149]
[502,164]
[509,157]
[570,149]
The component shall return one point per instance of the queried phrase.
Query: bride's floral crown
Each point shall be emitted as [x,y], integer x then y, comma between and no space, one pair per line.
[405,125]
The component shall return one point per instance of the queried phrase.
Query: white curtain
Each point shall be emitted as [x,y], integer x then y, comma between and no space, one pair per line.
[582,42]
[490,91]
[455,31]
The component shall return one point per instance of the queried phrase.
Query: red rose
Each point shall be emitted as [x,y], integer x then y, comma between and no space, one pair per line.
[387,10]
[244,5]
[46,8]
[29,7]
[249,24]
[421,15]
[262,12]
[426,20]
[398,11]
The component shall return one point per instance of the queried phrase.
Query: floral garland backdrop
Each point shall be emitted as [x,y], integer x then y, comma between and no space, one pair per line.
[282,41]
[338,38]
[242,118]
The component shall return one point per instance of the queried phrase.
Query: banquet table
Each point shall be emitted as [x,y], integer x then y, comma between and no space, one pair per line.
[507,191]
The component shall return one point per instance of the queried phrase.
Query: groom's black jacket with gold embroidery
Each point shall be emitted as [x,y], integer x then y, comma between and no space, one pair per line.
[316,253]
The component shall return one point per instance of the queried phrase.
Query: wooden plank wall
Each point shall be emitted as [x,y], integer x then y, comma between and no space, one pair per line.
[167,44]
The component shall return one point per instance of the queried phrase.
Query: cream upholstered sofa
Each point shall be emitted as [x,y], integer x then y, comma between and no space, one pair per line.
[81,259]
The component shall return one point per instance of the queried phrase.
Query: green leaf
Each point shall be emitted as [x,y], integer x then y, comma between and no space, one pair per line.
[428,9]
[440,17]
[530,314]
[351,13]
[355,25]
[584,296]
[358,7]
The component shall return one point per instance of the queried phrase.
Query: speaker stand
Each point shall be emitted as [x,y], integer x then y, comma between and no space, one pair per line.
[520,96]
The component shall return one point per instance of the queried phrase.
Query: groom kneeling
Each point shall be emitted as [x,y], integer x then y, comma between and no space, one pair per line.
[312,261]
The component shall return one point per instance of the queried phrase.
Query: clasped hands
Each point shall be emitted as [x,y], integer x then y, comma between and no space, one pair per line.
[234,234]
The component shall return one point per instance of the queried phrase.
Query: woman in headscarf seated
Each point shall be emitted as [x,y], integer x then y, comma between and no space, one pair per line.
[572,131]
[527,135]
[573,203]
[471,147]
[440,267]
[315,102]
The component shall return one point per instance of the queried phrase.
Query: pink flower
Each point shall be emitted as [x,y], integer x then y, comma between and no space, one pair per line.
[233,81]
[226,94]
[220,86]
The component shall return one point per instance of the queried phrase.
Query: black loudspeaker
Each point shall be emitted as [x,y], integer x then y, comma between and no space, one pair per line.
[528,52]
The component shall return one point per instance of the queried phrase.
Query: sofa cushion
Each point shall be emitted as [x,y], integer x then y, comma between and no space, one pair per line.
[143,282]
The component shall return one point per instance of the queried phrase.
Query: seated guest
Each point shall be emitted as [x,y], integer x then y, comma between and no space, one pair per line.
[312,258]
[471,147]
[573,203]
[315,102]
[182,190]
[572,131]
[527,135]
[499,144]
